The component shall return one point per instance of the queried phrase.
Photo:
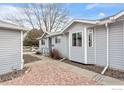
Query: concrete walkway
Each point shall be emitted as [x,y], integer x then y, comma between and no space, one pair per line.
[89,74]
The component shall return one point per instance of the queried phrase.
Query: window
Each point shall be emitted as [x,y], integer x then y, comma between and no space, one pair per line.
[74,39]
[43,42]
[77,39]
[57,40]
[90,38]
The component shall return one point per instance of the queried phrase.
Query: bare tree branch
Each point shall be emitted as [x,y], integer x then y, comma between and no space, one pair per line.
[47,17]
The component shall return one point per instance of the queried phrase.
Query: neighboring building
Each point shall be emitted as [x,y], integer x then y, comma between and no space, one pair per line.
[11,47]
[98,42]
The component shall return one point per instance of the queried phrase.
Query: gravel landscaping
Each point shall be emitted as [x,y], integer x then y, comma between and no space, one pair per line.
[98,69]
[29,59]
[50,74]
[16,73]
[13,74]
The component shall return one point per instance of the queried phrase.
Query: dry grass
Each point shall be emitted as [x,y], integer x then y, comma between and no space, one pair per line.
[29,59]
[98,69]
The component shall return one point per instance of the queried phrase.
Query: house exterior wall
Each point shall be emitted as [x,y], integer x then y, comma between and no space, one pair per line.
[44,48]
[98,54]
[61,47]
[100,38]
[76,53]
[10,51]
[116,48]
[67,45]
[90,50]
[45,45]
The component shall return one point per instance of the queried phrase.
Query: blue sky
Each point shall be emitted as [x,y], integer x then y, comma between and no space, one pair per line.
[94,11]
[89,11]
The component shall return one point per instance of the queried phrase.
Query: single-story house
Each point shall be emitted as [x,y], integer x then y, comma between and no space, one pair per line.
[11,47]
[99,42]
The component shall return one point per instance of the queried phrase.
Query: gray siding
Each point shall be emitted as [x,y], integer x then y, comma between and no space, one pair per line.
[90,51]
[100,45]
[61,47]
[76,53]
[116,46]
[98,53]
[44,48]
[67,45]
[10,50]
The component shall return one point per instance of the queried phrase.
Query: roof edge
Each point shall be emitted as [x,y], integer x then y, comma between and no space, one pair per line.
[94,22]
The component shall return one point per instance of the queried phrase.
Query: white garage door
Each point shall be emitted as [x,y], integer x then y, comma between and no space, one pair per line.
[10,56]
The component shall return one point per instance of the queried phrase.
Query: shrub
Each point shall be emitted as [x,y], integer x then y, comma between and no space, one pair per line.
[55,54]
[38,53]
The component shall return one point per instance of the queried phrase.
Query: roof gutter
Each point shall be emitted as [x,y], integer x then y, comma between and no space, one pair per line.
[107,63]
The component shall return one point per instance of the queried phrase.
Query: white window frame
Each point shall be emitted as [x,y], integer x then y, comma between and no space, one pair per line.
[77,39]
[56,39]
[43,40]
[91,31]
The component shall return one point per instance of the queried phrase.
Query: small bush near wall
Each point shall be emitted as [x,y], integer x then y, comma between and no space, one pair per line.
[38,53]
[55,54]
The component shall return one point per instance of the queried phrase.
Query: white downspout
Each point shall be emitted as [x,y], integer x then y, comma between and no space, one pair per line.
[107,63]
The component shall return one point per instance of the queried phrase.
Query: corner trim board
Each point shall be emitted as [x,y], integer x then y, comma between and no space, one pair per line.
[85,45]
[22,60]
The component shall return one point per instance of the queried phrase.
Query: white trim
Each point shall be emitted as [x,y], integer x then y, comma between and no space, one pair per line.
[95,45]
[117,15]
[69,45]
[22,60]
[93,22]
[107,63]
[77,20]
[123,41]
[82,39]
[85,45]
[65,38]
[8,25]
[92,32]
[107,43]
[76,39]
